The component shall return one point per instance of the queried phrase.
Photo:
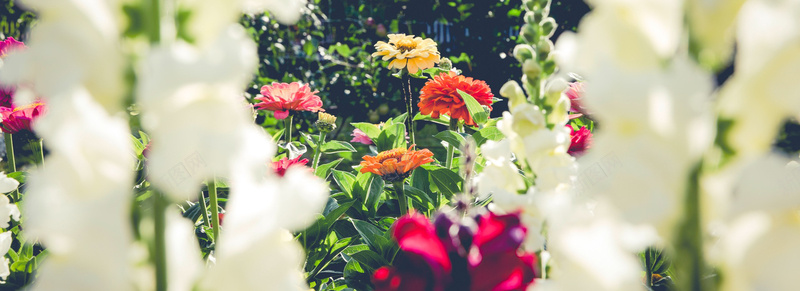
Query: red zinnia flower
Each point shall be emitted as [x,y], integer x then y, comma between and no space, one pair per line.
[440,96]
[581,140]
[282,97]
[9,44]
[283,164]
[20,118]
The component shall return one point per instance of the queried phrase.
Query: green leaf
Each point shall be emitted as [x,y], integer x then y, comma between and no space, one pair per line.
[336,146]
[369,188]
[277,134]
[451,137]
[310,140]
[443,119]
[419,196]
[446,180]
[20,176]
[487,133]
[324,170]
[355,248]
[371,130]
[479,115]
[400,118]
[371,234]
[345,181]
[370,259]
[393,136]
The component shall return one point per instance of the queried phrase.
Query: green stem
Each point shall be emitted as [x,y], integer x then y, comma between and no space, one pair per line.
[409,107]
[10,160]
[160,244]
[450,148]
[690,258]
[212,196]
[287,131]
[206,218]
[318,151]
[401,197]
[648,271]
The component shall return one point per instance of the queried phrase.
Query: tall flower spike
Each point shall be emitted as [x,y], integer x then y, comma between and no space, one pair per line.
[440,96]
[414,53]
[282,98]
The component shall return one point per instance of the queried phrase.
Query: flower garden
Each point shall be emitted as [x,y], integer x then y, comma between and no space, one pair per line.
[484,146]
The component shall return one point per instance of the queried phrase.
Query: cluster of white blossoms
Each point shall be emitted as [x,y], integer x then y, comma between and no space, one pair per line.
[190,96]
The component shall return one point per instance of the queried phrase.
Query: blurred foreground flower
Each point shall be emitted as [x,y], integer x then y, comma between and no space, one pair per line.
[360,137]
[396,164]
[415,53]
[8,45]
[282,98]
[20,118]
[440,96]
[457,255]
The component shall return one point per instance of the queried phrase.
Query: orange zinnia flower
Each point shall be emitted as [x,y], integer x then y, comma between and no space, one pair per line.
[396,164]
[440,96]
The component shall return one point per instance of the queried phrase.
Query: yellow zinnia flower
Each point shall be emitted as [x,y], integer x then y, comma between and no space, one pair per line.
[408,51]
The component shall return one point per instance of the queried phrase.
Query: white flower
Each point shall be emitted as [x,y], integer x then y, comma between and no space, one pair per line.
[5,245]
[712,25]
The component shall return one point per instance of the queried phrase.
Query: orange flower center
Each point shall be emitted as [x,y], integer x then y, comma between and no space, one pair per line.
[391,154]
[405,45]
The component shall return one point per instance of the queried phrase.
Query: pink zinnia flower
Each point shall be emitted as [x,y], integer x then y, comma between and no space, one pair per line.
[282,97]
[360,136]
[575,95]
[581,140]
[9,44]
[283,164]
[20,118]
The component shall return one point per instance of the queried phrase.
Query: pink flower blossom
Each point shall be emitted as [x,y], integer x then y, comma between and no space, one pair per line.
[581,140]
[8,45]
[282,98]
[20,118]
[360,136]
[575,95]
[283,164]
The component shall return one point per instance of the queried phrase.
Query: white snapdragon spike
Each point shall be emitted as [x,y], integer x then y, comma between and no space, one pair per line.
[5,245]
[637,34]
[756,97]
[184,263]
[191,107]
[712,26]
[74,44]
[78,205]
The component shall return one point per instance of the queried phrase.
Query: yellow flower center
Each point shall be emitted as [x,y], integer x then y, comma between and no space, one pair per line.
[405,45]
[391,154]
[27,106]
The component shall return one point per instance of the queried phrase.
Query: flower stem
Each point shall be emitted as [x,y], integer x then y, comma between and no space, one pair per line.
[409,106]
[206,218]
[287,131]
[318,150]
[212,196]
[401,197]
[648,272]
[160,244]
[450,148]
[10,160]
[38,148]
[690,258]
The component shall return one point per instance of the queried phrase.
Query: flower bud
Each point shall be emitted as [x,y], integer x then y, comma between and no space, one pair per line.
[553,91]
[543,49]
[537,16]
[531,68]
[530,17]
[445,64]
[530,5]
[543,3]
[549,66]
[523,52]
[548,27]
[513,92]
[326,122]
[529,33]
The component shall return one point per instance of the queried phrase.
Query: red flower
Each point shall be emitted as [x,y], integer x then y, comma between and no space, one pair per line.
[283,164]
[9,44]
[433,258]
[575,95]
[20,118]
[581,140]
[440,96]
[282,97]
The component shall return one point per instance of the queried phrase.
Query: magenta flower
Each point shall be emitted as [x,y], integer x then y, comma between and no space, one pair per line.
[581,140]
[360,136]
[8,45]
[283,164]
[20,118]
[282,98]
[7,96]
